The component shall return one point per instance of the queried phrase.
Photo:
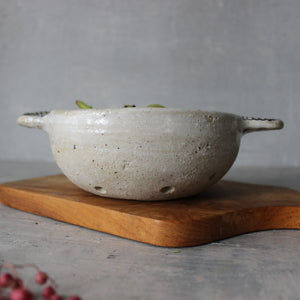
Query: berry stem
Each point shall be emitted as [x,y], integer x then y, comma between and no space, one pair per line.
[19,291]
[11,267]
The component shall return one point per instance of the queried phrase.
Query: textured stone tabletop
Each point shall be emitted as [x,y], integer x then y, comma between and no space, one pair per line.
[95,265]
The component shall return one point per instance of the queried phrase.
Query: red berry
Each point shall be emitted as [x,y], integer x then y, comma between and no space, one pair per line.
[73,298]
[41,277]
[21,294]
[48,292]
[6,279]
[55,297]
[17,283]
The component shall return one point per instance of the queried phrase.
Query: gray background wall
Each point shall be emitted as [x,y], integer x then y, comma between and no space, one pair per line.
[235,56]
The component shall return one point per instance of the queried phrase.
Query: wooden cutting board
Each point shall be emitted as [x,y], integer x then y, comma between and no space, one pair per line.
[224,210]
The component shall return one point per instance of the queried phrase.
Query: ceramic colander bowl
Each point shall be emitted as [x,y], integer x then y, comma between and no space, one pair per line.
[144,153]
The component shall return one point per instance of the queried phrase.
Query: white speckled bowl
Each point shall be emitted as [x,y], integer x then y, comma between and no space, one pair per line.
[144,153]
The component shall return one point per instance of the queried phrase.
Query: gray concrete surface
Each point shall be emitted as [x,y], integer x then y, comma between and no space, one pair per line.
[236,56]
[97,266]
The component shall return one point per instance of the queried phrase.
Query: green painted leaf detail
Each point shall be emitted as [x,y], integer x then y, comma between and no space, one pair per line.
[82,105]
[156,105]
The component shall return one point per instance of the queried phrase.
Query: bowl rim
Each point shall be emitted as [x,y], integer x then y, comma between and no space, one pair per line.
[141,109]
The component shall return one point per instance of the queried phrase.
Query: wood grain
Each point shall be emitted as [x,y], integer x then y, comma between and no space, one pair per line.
[226,209]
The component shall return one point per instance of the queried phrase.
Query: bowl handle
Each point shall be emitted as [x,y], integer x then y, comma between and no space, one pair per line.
[257,124]
[32,120]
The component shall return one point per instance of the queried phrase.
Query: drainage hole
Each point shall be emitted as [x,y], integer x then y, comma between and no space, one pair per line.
[100,189]
[167,189]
